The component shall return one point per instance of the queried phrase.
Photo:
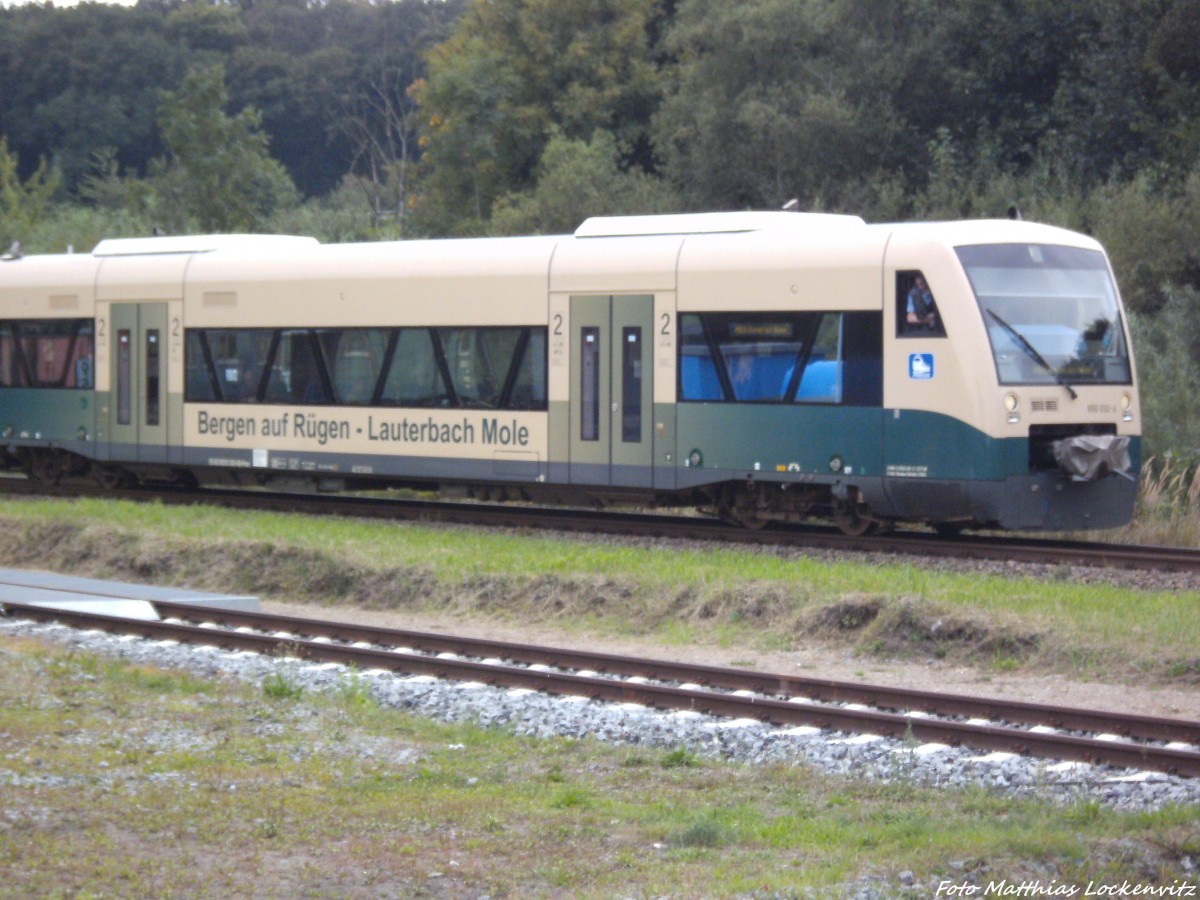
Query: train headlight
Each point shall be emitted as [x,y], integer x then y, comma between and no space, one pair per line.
[1011,403]
[1126,410]
[835,464]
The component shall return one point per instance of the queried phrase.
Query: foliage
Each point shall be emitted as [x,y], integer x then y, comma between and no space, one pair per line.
[221,176]
[22,203]
[1168,372]
[514,72]
[577,179]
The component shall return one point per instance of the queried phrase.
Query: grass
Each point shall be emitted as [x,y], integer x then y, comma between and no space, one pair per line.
[732,597]
[1168,510]
[125,781]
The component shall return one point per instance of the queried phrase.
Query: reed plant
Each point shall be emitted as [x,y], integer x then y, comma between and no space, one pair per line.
[1168,505]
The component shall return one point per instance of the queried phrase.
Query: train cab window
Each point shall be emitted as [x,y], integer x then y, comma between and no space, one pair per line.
[917,313]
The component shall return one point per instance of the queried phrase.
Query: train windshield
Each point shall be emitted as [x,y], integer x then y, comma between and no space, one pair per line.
[1051,313]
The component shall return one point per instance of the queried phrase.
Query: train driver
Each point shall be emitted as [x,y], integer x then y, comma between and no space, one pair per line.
[922,310]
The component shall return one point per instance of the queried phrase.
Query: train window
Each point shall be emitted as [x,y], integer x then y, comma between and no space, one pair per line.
[200,380]
[821,378]
[631,385]
[468,367]
[529,381]
[862,359]
[124,376]
[239,357]
[357,355]
[295,375]
[414,377]
[479,361]
[699,378]
[153,376]
[47,353]
[829,357]
[916,311]
[589,426]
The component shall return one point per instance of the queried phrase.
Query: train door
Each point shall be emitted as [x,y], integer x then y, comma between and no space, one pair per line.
[612,391]
[137,417]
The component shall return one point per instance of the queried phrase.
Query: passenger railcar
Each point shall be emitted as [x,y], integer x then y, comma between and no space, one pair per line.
[766,366]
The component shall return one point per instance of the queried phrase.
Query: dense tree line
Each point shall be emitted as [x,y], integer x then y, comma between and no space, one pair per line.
[351,119]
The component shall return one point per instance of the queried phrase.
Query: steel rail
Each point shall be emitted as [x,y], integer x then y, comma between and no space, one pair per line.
[900,543]
[1180,761]
[787,686]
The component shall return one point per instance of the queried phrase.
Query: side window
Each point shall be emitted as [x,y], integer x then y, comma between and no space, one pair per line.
[529,385]
[12,370]
[357,355]
[295,375]
[47,353]
[822,378]
[917,314]
[199,377]
[479,360]
[414,377]
[698,377]
[239,357]
[862,358]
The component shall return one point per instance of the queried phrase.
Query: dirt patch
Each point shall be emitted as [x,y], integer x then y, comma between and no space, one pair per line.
[909,628]
[850,615]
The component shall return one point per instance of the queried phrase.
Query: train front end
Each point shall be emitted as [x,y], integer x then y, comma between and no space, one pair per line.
[1043,430]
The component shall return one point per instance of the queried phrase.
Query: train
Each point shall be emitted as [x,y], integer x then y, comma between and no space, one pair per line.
[760,366]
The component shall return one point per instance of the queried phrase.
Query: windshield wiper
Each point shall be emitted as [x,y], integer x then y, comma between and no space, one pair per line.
[1032,353]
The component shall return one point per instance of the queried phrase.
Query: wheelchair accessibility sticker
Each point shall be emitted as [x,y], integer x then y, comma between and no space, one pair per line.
[920,366]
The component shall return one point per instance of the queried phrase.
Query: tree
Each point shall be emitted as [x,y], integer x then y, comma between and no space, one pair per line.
[22,203]
[512,71]
[219,172]
[763,105]
[577,179]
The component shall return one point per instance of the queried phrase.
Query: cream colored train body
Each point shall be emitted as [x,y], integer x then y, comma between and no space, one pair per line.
[768,366]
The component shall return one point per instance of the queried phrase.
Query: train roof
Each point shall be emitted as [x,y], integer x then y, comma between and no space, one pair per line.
[712,223]
[702,252]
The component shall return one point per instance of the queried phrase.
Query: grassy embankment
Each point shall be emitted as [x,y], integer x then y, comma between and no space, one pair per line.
[129,782]
[759,600]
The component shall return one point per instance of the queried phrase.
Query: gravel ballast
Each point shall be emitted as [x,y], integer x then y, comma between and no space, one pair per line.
[751,742]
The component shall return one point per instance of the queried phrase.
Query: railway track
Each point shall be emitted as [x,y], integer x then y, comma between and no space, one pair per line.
[899,543]
[1116,739]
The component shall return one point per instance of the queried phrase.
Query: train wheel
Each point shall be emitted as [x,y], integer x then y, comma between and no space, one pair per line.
[110,477]
[45,468]
[854,519]
[737,507]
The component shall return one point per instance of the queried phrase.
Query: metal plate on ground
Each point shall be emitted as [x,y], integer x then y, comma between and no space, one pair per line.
[113,598]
